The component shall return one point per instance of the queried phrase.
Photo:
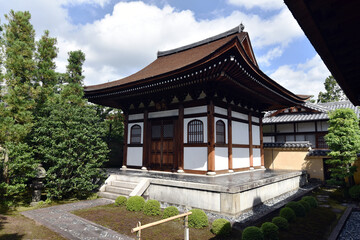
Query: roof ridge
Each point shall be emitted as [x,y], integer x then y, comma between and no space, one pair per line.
[230,32]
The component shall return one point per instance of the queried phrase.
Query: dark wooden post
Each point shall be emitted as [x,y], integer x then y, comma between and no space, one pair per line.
[180,139]
[261,143]
[126,119]
[145,141]
[230,139]
[211,138]
[251,143]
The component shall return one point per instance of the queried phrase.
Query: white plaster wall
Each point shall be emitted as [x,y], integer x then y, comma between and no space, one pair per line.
[141,124]
[134,156]
[306,127]
[195,158]
[256,134]
[194,110]
[322,126]
[240,133]
[187,120]
[226,128]
[136,116]
[168,113]
[240,115]
[220,110]
[269,139]
[255,119]
[288,127]
[241,157]
[221,158]
[256,157]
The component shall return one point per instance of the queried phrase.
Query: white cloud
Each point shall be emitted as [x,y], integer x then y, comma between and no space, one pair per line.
[263,4]
[101,3]
[304,78]
[270,55]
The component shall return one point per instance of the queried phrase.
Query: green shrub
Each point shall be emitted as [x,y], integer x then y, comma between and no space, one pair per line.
[298,208]
[311,200]
[288,214]
[354,192]
[252,233]
[305,204]
[270,231]
[281,222]
[170,211]
[152,208]
[198,219]
[120,201]
[221,227]
[135,203]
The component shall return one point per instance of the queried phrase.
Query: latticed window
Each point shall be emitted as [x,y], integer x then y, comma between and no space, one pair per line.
[195,131]
[220,132]
[135,134]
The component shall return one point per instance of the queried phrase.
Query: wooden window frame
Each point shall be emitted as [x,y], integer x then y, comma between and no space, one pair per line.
[223,133]
[132,134]
[198,138]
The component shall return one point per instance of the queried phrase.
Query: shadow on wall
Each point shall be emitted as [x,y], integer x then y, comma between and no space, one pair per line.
[314,167]
[241,225]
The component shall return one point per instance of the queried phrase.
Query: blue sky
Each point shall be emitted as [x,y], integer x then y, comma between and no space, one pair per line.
[121,37]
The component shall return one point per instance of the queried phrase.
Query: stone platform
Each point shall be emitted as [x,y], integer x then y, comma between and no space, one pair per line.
[227,194]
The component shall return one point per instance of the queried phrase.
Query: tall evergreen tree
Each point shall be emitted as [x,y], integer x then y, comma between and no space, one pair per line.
[333,92]
[343,140]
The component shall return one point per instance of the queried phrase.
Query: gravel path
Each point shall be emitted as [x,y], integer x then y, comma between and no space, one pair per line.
[60,220]
[351,229]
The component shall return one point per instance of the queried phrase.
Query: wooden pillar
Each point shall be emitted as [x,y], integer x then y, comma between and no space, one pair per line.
[230,139]
[180,139]
[251,143]
[261,143]
[211,138]
[126,119]
[146,143]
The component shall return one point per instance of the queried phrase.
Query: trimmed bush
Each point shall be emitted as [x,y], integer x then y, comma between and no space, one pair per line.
[252,233]
[354,192]
[135,203]
[311,200]
[120,201]
[305,204]
[221,226]
[281,222]
[270,231]
[152,208]
[298,208]
[288,214]
[198,219]
[170,211]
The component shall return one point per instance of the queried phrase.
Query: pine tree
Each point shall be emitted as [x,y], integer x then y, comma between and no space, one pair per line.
[343,140]
[333,92]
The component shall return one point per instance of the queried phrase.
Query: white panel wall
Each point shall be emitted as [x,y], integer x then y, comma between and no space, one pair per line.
[288,127]
[195,158]
[269,139]
[241,157]
[255,119]
[240,133]
[129,130]
[322,126]
[168,113]
[136,116]
[226,128]
[220,110]
[221,158]
[306,127]
[194,110]
[256,157]
[256,134]
[240,115]
[134,156]
[187,120]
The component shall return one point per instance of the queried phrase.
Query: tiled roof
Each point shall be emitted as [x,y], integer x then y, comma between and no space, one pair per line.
[318,152]
[321,114]
[304,144]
